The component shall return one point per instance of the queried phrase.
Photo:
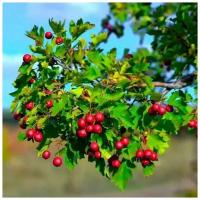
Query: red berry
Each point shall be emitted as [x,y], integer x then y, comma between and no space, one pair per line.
[30,133]
[57,161]
[48,35]
[161,110]
[119,145]
[148,153]
[145,162]
[97,128]
[128,56]
[49,104]
[46,154]
[38,136]
[48,92]
[17,116]
[81,123]
[31,81]
[192,123]
[151,111]
[99,117]
[59,40]
[155,107]
[81,133]
[97,154]
[113,157]
[125,141]
[23,126]
[94,146]
[169,108]
[108,26]
[29,105]
[27,58]
[89,118]
[116,163]
[154,156]
[89,128]
[139,154]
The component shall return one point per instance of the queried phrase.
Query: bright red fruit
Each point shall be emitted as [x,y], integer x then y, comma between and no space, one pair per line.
[81,123]
[113,157]
[30,133]
[125,141]
[151,111]
[81,133]
[29,105]
[38,136]
[139,154]
[148,153]
[57,161]
[97,128]
[97,154]
[169,108]
[99,117]
[154,156]
[94,146]
[145,162]
[89,128]
[59,40]
[27,58]
[89,118]
[116,163]
[48,35]
[155,107]
[192,123]
[49,104]
[46,154]
[119,145]
[161,110]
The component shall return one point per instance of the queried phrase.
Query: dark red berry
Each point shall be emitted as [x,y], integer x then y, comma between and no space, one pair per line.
[97,128]
[81,133]
[47,92]
[49,104]
[99,117]
[151,111]
[97,154]
[154,156]
[145,162]
[169,108]
[57,161]
[17,116]
[119,145]
[94,146]
[128,56]
[81,123]
[22,125]
[59,40]
[31,81]
[116,163]
[161,110]
[48,35]
[125,141]
[89,118]
[89,128]
[38,136]
[139,154]
[46,154]
[29,105]
[30,133]
[27,58]
[148,153]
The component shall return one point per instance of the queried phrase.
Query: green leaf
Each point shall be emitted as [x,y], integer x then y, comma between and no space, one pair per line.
[92,73]
[21,136]
[120,178]
[57,27]
[129,152]
[149,170]
[97,39]
[60,51]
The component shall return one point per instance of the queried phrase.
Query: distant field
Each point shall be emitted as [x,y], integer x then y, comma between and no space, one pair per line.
[25,175]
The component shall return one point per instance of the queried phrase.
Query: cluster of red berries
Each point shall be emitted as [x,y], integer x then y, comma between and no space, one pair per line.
[94,150]
[90,124]
[146,156]
[122,143]
[160,109]
[57,161]
[193,123]
[34,134]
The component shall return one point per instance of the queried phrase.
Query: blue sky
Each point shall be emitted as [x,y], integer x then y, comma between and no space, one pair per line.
[20,17]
